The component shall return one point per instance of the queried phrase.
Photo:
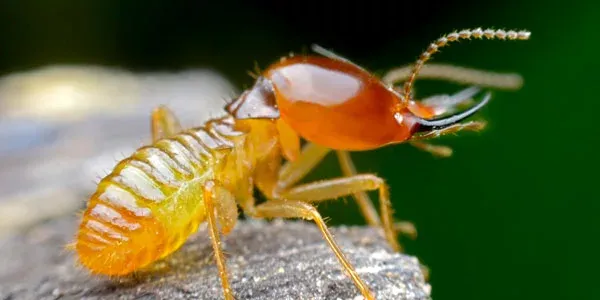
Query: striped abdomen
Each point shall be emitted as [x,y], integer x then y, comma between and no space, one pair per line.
[151,202]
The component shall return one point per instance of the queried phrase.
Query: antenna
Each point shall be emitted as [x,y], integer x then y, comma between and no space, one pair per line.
[465,34]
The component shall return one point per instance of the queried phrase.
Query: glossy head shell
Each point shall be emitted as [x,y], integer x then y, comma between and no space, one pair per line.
[335,103]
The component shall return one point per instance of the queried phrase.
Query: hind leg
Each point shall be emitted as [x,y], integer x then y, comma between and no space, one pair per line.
[164,124]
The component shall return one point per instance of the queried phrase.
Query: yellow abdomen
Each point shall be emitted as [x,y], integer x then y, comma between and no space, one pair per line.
[144,210]
[112,241]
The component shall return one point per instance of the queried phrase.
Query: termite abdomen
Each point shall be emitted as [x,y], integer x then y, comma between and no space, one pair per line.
[123,227]
[151,202]
[116,237]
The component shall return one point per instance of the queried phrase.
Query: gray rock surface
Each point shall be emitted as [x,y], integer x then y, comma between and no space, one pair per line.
[266,260]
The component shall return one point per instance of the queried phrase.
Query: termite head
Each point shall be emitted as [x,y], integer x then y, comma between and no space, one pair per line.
[337,104]
[333,102]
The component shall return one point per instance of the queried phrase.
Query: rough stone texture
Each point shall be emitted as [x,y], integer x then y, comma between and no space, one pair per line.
[266,260]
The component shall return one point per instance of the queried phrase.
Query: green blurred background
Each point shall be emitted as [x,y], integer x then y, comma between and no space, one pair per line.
[510,216]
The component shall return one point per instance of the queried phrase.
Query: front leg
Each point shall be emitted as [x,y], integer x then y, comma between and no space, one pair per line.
[366,204]
[435,150]
[310,157]
[293,171]
[277,183]
[362,199]
[334,188]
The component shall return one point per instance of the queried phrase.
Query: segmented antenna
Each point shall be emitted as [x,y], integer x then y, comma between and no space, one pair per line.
[453,37]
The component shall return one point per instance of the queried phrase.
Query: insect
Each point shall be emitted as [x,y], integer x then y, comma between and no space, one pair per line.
[153,200]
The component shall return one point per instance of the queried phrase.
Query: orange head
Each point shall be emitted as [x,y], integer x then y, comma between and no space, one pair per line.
[333,102]
[337,104]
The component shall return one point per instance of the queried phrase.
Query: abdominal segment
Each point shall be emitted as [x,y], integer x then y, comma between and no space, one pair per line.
[151,202]
[130,221]
[114,241]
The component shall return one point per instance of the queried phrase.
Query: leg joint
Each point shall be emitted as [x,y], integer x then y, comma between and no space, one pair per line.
[377,182]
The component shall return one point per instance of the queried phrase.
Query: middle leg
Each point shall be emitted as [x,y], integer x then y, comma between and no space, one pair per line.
[362,199]
[278,182]
[311,155]
[297,209]
[366,204]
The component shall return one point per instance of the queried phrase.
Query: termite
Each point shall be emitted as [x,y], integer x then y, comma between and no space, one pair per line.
[150,203]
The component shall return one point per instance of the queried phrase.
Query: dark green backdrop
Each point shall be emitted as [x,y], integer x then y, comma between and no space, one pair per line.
[510,216]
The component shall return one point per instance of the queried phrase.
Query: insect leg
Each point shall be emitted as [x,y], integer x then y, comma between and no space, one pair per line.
[245,195]
[265,174]
[289,140]
[226,208]
[471,126]
[296,209]
[440,151]
[364,201]
[292,172]
[339,187]
[210,190]
[333,188]
[164,123]
[462,75]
